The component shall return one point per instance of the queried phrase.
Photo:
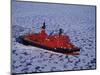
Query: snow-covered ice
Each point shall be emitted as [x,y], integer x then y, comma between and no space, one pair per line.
[78,23]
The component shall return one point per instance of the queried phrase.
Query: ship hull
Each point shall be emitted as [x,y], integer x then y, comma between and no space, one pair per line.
[25,41]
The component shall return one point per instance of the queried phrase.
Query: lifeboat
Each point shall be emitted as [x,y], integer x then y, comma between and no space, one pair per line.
[59,43]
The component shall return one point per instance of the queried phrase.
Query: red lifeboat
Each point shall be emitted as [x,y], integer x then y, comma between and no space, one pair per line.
[58,43]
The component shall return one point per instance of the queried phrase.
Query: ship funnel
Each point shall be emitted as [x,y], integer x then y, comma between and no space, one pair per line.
[61,31]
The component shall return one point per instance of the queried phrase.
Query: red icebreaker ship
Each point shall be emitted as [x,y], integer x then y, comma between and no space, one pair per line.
[57,43]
